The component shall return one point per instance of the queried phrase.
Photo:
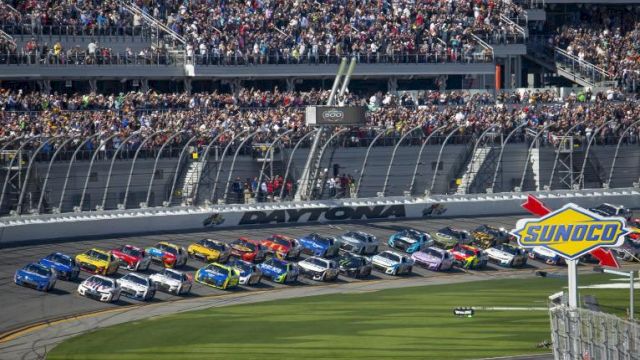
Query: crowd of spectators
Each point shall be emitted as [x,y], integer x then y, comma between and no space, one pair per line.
[260,31]
[207,114]
[606,37]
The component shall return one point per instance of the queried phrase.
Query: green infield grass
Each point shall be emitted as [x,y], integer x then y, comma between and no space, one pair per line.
[414,323]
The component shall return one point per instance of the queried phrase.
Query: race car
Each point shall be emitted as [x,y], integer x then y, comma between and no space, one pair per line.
[279,271]
[319,269]
[209,250]
[137,287]
[358,242]
[100,288]
[448,237]
[167,254]
[317,245]
[35,276]
[507,255]
[609,210]
[392,263]
[132,257]
[545,255]
[98,262]
[410,240]
[629,251]
[486,236]
[433,258]
[218,276]
[62,265]
[282,246]
[468,257]
[172,281]
[248,272]
[354,266]
[247,250]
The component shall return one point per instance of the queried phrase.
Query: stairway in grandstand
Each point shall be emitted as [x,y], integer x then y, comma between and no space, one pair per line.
[473,167]
[191,178]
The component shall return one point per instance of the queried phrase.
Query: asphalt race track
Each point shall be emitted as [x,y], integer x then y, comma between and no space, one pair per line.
[22,307]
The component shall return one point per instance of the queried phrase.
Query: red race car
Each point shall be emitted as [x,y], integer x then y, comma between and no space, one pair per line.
[282,246]
[134,258]
[469,257]
[247,250]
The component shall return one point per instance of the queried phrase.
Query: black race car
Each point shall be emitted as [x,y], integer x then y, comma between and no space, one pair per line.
[354,265]
[487,236]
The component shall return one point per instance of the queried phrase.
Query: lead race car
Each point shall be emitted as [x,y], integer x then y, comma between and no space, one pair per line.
[35,276]
[98,261]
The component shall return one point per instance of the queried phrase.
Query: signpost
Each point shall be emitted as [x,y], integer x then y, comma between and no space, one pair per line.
[571,232]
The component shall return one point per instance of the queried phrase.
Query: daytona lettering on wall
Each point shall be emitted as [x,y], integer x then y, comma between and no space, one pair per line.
[320,214]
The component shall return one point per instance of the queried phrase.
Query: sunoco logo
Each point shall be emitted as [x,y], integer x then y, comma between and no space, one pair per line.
[333,115]
[571,231]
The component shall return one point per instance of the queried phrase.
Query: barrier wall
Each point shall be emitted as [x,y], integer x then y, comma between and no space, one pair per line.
[47,227]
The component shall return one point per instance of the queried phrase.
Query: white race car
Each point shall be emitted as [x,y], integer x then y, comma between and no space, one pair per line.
[172,281]
[358,242]
[249,272]
[100,288]
[545,255]
[392,263]
[317,268]
[507,255]
[137,287]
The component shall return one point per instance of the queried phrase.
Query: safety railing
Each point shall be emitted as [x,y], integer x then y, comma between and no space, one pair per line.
[52,32]
[82,58]
[584,69]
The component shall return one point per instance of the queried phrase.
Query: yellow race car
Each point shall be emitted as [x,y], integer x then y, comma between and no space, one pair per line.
[209,250]
[98,261]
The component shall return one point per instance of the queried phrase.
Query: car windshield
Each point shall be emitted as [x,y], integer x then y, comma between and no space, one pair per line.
[412,234]
[135,279]
[434,252]
[390,256]
[242,266]
[32,268]
[98,255]
[130,250]
[316,261]
[277,264]
[172,274]
[510,249]
[246,244]
[216,270]
[606,209]
[350,261]
[100,281]
[280,241]
[468,252]
[167,248]
[210,244]
[447,231]
[356,235]
[61,259]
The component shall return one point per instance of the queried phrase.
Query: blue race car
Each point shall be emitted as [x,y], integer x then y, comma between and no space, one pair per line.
[279,271]
[218,276]
[62,265]
[322,246]
[410,240]
[36,276]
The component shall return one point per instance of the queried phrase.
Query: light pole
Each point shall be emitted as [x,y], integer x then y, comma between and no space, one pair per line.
[631,287]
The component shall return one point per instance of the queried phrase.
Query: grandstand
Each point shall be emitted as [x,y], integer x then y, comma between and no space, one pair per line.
[132,104]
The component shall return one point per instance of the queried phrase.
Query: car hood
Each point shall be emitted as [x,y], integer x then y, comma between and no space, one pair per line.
[384,261]
[132,285]
[499,254]
[165,279]
[270,269]
[32,276]
[544,252]
[212,274]
[96,286]
[312,267]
